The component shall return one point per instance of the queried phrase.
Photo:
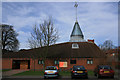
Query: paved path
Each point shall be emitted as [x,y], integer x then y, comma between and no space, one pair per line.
[11,72]
[116,76]
[61,78]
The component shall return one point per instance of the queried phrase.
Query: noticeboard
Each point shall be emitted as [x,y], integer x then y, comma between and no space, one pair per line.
[62,64]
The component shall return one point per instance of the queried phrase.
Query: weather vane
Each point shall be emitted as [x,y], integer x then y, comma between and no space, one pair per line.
[76,5]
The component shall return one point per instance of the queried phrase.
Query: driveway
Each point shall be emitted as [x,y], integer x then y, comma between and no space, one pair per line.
[12,72]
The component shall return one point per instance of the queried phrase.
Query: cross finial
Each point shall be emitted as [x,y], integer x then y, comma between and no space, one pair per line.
[76,5]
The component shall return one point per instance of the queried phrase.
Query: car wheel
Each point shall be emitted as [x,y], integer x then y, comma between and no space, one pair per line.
[98,76]
[72,77]
[57,77]
[45,77]
[86,77]
[95,74]
[112,77]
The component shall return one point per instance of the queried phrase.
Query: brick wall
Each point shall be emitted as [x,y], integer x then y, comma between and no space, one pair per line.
[79,61]
[7,63]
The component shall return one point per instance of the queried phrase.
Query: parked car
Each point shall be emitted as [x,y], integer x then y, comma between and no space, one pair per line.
[51,71]
[104,71]
[79,71]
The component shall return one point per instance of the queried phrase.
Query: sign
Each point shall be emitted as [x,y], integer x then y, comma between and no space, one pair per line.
[62,64]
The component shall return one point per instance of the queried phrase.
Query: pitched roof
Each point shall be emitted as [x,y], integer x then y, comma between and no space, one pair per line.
[76,30]
[63,50]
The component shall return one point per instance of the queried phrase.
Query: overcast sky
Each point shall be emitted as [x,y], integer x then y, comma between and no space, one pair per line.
[97,20]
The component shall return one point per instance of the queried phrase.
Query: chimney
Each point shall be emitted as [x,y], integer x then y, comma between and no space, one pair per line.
[91,41]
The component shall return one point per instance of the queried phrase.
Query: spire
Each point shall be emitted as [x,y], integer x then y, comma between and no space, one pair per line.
[77,31]
[76,5]
[76,35]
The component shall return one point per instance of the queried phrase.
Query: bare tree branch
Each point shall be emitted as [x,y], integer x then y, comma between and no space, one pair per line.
[107,45]
[43,36]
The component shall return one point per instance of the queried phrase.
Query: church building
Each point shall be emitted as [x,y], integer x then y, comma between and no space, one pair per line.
[64,55]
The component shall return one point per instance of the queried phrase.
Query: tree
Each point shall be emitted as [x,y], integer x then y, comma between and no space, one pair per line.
[43,36]
[9,39]
[107,45]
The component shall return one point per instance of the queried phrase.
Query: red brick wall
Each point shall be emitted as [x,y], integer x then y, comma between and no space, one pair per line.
[79,61]
[83,61]
[35,66]
[49,62]
[7,63]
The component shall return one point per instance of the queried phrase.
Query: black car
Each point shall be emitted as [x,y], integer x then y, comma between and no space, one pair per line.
[104,71]
[51,71]
[79,71]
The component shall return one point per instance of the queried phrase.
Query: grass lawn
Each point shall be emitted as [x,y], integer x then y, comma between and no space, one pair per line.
[65,73]
[91,73]
[41,73]
[29,73]
[3,70]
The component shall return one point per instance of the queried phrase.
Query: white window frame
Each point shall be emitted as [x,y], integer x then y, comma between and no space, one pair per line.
[89,61]
[75,46]
[56,61]
[40,62]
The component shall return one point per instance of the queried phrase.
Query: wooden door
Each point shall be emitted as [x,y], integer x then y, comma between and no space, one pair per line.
[24,65]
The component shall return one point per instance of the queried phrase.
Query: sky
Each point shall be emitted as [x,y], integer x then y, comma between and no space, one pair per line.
[97,20]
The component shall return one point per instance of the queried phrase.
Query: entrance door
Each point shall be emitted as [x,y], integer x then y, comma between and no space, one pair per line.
[16,64]
[21,64]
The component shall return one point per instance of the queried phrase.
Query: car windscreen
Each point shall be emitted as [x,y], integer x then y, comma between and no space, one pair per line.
[51,68]
[78,68]
[105,67]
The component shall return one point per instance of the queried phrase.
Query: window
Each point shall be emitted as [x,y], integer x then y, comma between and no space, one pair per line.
[40,62]
[51,68]
[72,61]
[89,61]
[56,61]
[113,54]
[75,46]
[78,68]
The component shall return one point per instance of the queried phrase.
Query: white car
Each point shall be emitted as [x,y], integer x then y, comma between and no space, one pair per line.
[51,71]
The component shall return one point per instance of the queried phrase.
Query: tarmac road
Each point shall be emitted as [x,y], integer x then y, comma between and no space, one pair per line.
[61,78]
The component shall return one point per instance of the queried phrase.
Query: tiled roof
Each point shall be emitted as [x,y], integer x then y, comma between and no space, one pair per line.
[62,50]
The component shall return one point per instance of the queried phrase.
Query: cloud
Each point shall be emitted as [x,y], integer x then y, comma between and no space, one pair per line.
[97,20]
[60,0]
[24,10]
[23,38]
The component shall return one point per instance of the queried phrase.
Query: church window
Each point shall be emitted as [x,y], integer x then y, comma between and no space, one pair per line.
[75,46]
[72,61]
[89,61]
[40,62]
[56,61]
